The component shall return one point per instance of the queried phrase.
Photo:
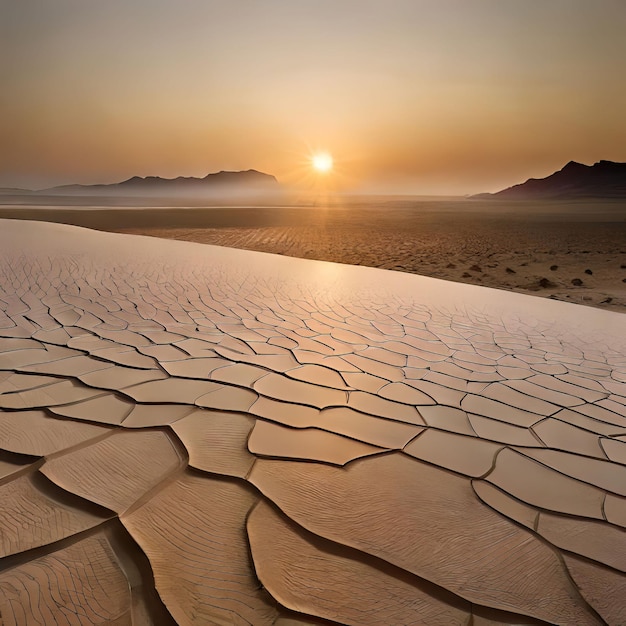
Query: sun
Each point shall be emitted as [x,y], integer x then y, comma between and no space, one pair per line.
[322,162]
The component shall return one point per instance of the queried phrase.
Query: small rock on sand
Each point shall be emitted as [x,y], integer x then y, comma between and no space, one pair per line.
[475,268]
[508,270]
[544,283]
[577,282]
[588,272]
[468,275]
[554,268]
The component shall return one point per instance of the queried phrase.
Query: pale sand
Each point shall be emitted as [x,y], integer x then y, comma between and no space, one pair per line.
[193,434]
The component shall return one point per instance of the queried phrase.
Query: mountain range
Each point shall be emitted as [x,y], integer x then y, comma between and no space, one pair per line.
[604,179]
[244,183]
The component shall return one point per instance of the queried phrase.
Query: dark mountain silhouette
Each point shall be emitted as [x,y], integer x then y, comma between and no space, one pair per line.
[249,182]
[604,179]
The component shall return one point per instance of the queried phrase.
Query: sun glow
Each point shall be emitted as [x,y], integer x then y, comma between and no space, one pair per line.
[322,162]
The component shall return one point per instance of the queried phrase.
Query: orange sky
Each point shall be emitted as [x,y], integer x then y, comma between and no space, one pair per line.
[409,96]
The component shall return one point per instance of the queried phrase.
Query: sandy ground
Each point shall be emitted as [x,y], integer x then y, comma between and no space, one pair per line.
[575,252]
[198,434]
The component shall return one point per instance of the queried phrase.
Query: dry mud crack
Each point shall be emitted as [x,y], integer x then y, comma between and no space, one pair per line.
[199,435]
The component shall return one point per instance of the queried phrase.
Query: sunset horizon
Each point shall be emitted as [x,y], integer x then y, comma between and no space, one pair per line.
[426,98]
[322,166]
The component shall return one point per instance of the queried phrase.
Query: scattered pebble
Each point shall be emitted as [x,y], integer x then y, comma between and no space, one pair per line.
[607,301]
[554,268]
[588,272]
[545,283]
[450,266]
[508,270]
[468,275]
[475,268]
[577,282]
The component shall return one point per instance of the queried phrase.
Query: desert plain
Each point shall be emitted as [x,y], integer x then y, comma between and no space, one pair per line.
[574,251]
[240,386]
[195,434]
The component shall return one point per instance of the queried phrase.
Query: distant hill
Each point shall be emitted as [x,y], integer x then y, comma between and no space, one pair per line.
[14,191]
[236,184]
[604,179]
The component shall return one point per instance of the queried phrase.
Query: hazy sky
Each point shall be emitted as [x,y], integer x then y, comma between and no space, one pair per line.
[424,96]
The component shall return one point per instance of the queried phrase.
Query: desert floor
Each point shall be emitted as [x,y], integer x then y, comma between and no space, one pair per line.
[574,252]
[195,434]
